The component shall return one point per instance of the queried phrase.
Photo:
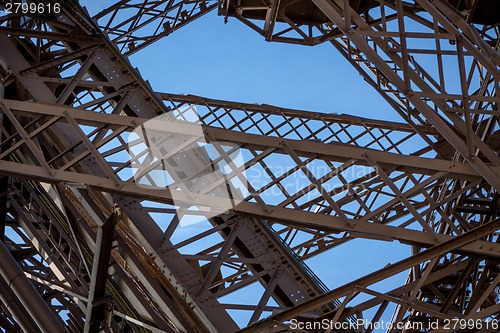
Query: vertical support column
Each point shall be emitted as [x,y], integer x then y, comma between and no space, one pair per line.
[4,186]
[96,305]
[4,181]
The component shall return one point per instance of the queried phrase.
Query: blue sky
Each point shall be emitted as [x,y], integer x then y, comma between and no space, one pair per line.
[232,62]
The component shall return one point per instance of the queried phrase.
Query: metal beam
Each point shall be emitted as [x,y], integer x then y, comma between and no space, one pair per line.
[400,266]
[97,302]
[133,25]
[12,303]
[27,294]
[324,222]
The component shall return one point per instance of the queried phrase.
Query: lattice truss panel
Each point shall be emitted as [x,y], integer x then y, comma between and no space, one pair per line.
[434,66]
[133,25]
[69,160]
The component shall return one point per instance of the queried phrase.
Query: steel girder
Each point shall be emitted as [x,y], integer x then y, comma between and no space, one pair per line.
[133,25]
[358,286]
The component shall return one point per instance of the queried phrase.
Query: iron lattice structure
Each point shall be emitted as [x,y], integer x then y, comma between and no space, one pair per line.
[87,249]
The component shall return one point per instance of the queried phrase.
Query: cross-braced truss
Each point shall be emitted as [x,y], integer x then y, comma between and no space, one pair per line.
[90,247]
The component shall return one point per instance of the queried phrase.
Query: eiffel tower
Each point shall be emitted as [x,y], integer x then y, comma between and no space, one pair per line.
[92,237]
